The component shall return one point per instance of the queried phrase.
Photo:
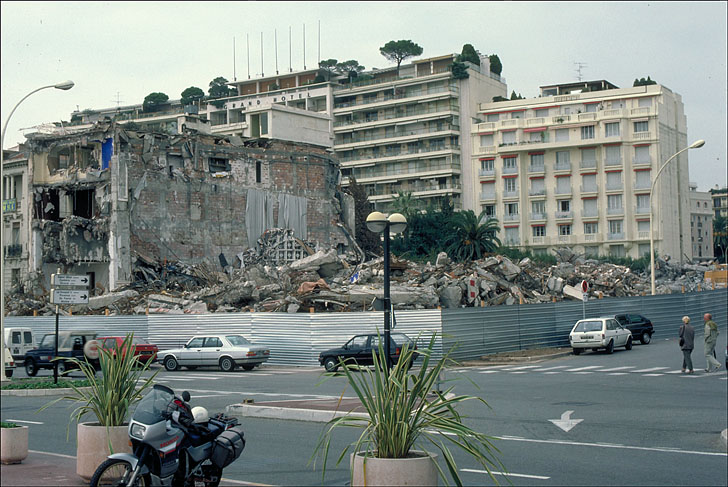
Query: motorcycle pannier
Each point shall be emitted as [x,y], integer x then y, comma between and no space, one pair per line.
[228,447]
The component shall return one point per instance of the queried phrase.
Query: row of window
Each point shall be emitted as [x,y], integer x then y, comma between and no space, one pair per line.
[563,184]
[564,206]
[566,110]
[612,155]
[587,132]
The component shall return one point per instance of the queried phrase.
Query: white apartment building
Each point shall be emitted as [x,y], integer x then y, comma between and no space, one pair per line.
[16,227]
[701,223]
[409,132]
[574,167]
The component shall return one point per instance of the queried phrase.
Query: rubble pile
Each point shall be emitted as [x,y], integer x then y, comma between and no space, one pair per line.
[263,280]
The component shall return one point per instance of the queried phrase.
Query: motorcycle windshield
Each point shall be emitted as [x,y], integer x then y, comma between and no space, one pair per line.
[153,408]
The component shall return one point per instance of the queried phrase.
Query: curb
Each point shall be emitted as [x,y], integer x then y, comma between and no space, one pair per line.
[39,392]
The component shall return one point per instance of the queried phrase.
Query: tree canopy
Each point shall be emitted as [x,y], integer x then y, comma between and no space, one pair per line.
[220,89]
[153,101]
[495,64]
[191,95]
[398,51]
[328,66]
[473,237]
[468,54]
[350,68]
[643,82]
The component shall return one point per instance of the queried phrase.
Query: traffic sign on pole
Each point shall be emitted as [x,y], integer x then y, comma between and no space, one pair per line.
[584,287]
[69,296]
[69,280]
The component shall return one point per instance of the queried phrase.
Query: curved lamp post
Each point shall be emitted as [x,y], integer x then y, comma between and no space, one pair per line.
[695,145]
[64,85]
[377,222]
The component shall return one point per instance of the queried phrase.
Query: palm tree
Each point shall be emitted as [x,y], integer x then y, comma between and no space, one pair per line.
[473,236]
[405,204]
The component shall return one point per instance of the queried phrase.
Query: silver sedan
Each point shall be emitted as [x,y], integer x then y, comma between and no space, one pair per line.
[224,351]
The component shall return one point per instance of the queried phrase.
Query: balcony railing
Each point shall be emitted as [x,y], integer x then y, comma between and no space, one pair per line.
[643,234]
[615,186]
[590,237]
[588,164]
[615,236]
[392,116]
[566,238]
[487,196]
[396,153]
[396,133]
[642,209]
[538,216]
[537,192]
[615,211]
[510,170]
[613,162]
[510,194]
[399,96]
[642,161]
[512,241]
[642,136]
[541,240]
[589,213]
[588,189]
[563,190]
[564,214]
[511,217]
[536,168]
[14,250]
[562,166]
[486,172]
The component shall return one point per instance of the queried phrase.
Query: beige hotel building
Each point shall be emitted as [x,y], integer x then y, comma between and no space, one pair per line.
[574,168]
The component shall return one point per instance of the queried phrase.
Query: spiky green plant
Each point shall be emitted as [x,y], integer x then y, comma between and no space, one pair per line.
[407,411]
[111,395]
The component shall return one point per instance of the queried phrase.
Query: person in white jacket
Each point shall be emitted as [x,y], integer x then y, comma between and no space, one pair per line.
[711,338]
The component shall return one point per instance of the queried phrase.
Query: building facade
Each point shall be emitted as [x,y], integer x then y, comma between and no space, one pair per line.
[400,132]
[574,167]
[720,201]
[701,224]
[16,226]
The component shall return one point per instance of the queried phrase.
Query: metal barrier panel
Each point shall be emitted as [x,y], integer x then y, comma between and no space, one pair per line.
[173,331]
[102,325]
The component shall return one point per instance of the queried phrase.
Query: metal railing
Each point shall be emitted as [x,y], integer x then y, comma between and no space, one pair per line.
[15,250]
[615,236]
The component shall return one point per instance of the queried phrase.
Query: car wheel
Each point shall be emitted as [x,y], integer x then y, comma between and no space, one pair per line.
[331,365]
[577,351]
[191,367]
[227,364]
[170,363]
[8,373]
[628,346]
[610,347]
[645,338]
[61,368]
[31,368]
[248,367]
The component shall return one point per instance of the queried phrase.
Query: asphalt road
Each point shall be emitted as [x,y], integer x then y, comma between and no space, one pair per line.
[642,422]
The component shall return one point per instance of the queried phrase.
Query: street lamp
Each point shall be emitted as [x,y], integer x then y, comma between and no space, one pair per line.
[377,222]
[695,145]
[64,85]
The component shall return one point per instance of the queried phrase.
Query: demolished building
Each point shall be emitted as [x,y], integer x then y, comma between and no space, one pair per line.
[108,196]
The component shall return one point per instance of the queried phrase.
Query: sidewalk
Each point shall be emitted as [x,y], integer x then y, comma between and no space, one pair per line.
[42,468]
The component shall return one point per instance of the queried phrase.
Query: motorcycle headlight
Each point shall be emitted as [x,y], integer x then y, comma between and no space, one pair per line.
[137,430]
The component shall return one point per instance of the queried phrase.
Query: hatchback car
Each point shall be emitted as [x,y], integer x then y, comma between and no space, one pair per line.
[599,333]
[640,327]
[81,345]
[143,350]
[224,351]
[359,349]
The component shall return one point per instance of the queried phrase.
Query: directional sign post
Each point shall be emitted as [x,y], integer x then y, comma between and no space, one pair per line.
[75,292]
[584,298]
[69,280]
[69,296]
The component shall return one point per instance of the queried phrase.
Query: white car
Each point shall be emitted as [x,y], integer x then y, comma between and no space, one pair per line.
[224,351]
[9,363]
[596,333]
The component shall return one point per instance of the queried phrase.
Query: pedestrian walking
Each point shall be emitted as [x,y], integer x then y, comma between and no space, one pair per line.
[711,338]
[687,340]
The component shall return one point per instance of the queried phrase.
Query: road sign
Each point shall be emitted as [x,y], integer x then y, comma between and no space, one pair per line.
[69,280]
[584,287]
[69,296]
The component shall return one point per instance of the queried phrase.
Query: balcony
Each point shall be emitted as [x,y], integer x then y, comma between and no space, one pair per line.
[588,164]
[591,237]
[486,150]
[566,239]
[613,162]
[642,184]
[562,191]
[588,189]
[537,121]
[399,115]
[483,173]
[537,192]
[562,166]
[615,186]
[511,194]
[542,240]
[400,96]
[10,205]
[391,136]
[562,215]
[510,170]
[511,217]
[642,136]
[583,117]
[643,235]
[538,216]
[538,168]
[642,161]
[13,250]
[487,196]
[615,211]
[590,213]
[615,236]
[511,241]
[642,210]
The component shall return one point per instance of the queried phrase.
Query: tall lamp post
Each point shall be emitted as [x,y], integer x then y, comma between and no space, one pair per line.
[64,85]
[695,145]
[377,222]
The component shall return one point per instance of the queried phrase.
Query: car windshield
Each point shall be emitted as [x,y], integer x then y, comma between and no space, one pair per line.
[587,326]
[139,341]
[237,340]
[153,406]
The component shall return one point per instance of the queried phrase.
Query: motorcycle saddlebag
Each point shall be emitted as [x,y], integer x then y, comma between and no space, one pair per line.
[228,446]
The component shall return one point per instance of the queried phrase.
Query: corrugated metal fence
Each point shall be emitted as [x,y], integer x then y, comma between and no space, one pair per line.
[482,331]
[297,339]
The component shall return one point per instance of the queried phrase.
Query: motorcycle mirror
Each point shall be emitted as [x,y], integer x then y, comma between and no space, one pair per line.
[186,396]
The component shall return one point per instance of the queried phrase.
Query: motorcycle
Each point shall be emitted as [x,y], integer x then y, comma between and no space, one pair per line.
[173,445]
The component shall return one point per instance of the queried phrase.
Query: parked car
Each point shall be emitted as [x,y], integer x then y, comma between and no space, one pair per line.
[224,351]
[19,341]
[596,333]
[9,363]
[640,326]
[71,344]
[358,350]
[143,350]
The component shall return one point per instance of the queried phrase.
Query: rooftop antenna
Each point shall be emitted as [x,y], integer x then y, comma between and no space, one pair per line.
[579,67]
[304,47]
[118,100]
[275,36]
[247,40]
[290,66]
[235,77]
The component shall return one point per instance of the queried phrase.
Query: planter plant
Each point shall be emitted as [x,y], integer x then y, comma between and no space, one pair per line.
[406,415]
[13,443]
[109,398]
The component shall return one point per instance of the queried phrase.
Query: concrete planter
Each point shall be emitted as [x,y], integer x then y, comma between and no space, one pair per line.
[418,469]
[13,445]
[93,446]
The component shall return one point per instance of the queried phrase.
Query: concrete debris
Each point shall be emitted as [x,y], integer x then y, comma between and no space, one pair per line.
[263,279]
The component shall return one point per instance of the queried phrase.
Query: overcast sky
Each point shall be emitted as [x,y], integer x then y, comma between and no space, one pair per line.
[122,51]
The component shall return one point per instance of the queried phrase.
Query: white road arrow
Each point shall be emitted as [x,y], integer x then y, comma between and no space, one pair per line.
[566,423]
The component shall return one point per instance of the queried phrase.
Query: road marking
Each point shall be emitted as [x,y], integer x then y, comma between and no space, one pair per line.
[618,368]
[506,474]
[521,372]
[618,373]
[52,454]
[653,375]
[607,445]
[584,372]
[22,421]
[523,367]
[164,379]
[648,370]
[553,368]
[488,371]
[585,368]
[675,372]
[566,423]
[553,372]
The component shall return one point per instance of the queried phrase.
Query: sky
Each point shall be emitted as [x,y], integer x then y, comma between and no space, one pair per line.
[119,52]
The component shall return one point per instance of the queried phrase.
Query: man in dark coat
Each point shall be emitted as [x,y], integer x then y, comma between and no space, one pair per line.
[687,343]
